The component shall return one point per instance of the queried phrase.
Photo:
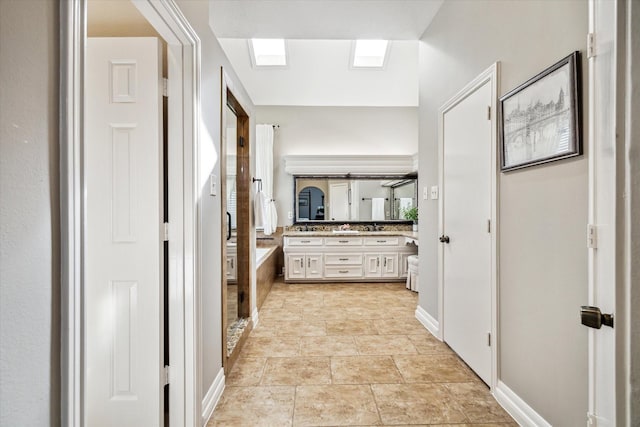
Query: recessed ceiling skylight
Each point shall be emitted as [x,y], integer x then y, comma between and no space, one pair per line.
[370,53]
[268,52]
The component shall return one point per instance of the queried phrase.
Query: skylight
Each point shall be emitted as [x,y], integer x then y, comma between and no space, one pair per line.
[370,53]
[268,52]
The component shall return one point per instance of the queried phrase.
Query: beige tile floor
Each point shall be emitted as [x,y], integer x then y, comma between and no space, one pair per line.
[350,354]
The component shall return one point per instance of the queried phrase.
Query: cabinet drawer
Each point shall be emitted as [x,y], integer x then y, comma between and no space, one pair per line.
[343,259]
[352,272]
[382,241]
[343,241]
[303,241]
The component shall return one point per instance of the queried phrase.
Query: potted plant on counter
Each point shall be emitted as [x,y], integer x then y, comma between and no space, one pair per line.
[412,215]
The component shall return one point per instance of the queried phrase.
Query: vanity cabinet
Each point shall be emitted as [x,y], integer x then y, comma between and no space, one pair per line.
[232,267]
[304,266]
[346,258]
[381,265]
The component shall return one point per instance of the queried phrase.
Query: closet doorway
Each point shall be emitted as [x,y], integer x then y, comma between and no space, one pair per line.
[235,169]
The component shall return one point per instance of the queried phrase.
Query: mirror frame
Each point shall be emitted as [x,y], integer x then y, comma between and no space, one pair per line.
[349,177]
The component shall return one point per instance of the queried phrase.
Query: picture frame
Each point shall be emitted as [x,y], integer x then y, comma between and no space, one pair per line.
[540,120]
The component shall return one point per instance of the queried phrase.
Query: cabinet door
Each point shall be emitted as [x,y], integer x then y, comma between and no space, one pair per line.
[314,266]
[231,268]
[295,266]
[403,266]
[372,265]
[389,265]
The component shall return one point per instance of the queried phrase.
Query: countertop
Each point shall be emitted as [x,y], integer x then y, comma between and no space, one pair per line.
[409,234]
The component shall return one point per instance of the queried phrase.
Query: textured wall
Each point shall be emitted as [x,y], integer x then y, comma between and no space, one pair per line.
[543,209]
[29,220]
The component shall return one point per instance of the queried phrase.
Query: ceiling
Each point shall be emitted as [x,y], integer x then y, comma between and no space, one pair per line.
[323,19]
[319,37]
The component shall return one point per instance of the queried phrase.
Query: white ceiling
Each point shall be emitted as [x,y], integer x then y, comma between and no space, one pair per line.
[323,19]
[319,37]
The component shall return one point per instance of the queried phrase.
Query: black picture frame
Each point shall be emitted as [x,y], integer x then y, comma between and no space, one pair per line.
[541,120]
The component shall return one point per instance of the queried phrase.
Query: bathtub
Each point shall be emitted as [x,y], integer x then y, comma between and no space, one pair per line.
[266,270]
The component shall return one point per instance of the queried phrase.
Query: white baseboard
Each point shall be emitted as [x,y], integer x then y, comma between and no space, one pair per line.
[524,414]
[254,317]
[212,397]
[428,322]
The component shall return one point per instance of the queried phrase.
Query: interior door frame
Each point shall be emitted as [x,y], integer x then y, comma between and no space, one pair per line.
[627,133]
[184,117]
[491,75]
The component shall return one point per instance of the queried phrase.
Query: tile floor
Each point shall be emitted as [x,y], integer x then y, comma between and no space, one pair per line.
[350,354]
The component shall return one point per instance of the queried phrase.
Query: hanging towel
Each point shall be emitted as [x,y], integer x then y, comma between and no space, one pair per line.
[271,213]
[259,209]
[377,209]
[405,203]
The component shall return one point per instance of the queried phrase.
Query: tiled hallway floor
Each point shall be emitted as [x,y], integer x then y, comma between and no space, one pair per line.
[350,354]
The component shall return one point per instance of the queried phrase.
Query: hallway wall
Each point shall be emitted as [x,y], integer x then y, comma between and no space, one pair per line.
[334,131]
[209,215]
[29,214]
[543,209]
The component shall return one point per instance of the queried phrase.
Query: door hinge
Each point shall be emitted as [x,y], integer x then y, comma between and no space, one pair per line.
[489,112]
[165,232]
[165,87]
[489,339]
[592,236]
[591,45]
[165,374]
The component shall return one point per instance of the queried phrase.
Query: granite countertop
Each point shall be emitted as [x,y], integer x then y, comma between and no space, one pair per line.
[408,233]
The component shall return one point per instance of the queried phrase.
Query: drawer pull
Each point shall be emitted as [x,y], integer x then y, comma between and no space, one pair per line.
[305,241]
[343,271]
[343,259]
[343,241]
[381,241]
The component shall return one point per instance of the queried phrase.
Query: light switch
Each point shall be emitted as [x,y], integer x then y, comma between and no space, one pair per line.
[434,192]
[425,193]
[290,215]
[213,190]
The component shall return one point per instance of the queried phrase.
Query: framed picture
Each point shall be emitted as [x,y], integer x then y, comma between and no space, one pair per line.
[540,120]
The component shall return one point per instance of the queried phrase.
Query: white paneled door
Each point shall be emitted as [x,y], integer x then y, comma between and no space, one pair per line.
[123,249]
[467,262]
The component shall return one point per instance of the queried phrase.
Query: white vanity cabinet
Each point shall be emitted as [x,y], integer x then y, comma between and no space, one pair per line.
[304,266]
[346,258]
[232,267]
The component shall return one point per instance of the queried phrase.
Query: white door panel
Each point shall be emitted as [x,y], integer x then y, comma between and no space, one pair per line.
[339,201]
[123,277]
[467,259]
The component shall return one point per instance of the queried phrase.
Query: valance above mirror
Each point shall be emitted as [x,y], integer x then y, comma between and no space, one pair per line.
[354,198]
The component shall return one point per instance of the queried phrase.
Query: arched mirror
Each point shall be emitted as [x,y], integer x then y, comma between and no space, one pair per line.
[311,203]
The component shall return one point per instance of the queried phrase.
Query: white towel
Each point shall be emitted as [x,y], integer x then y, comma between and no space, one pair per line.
[377,209]
[259,209]
[272,214]
[405,203]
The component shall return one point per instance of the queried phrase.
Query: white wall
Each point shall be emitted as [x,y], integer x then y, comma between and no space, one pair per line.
[543,209]
[29,219]
[335,131]
[197,13]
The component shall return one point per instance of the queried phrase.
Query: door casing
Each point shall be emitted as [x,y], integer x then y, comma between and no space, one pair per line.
[184,117]
[491,74]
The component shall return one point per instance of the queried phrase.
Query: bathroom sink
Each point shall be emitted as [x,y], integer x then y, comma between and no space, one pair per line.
[346,231]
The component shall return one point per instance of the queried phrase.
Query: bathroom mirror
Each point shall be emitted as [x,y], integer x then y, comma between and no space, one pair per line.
[351,198]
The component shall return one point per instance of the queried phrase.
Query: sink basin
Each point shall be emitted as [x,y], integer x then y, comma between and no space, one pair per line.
[345,231]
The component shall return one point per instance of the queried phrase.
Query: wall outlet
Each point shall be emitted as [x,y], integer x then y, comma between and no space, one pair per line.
[425,193]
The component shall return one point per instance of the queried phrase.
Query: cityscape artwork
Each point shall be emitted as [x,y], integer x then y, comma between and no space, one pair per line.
[541,118]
